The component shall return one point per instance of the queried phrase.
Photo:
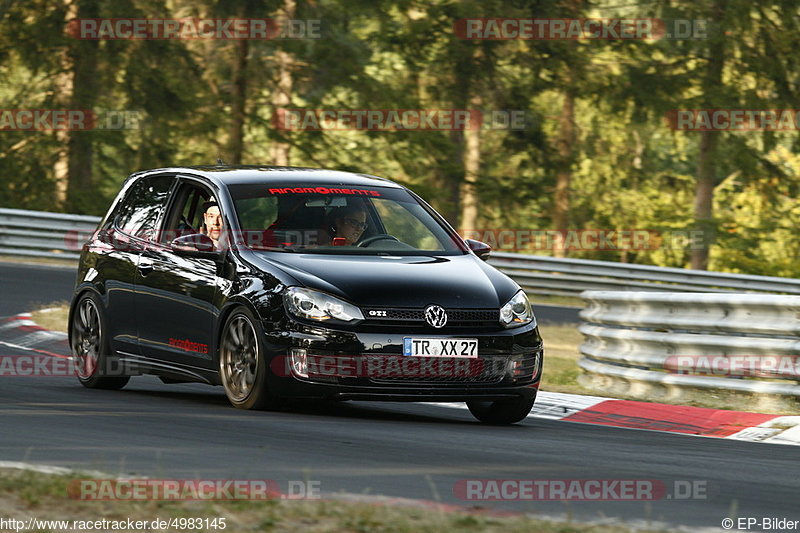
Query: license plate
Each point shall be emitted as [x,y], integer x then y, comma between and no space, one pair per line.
[424,347]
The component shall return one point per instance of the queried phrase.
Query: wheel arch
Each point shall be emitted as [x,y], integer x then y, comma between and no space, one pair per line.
[226,311]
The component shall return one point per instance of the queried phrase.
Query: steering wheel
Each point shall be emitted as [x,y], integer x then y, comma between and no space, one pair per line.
[379,237]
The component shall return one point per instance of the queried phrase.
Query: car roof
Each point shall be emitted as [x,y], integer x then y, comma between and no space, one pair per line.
[244,174]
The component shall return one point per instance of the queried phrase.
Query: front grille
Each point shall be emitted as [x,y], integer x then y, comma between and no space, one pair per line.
[456,318]
[402,314]
[447,370]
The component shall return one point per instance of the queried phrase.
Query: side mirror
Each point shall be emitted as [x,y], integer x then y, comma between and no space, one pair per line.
[481,249]
[196,245]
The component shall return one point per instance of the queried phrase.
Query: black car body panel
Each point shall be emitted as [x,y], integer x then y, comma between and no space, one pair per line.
[381,281]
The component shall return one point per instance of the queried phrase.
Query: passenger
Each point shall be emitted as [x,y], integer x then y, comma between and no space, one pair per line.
[346,223]
[212,223]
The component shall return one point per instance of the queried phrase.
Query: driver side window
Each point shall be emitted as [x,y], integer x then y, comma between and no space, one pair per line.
[186,215]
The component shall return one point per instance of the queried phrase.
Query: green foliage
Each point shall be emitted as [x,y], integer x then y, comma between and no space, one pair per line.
[628,169]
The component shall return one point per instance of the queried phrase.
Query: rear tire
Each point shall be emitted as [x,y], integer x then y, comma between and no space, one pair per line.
[242,367]
[90,345]
[501,412]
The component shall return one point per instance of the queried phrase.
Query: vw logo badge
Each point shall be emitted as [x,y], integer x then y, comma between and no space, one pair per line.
[435,316]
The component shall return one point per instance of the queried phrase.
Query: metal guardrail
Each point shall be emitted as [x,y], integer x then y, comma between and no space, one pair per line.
[570,277]
[42,234]
[688,340]
[56,235]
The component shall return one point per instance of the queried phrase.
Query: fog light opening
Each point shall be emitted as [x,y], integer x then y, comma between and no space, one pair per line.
[520,368]
[299,360]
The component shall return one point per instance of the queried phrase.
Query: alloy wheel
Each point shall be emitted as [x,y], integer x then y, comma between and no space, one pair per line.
[239,358]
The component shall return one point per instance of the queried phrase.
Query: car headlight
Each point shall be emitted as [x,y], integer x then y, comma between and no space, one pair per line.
[517,311]
[315,305]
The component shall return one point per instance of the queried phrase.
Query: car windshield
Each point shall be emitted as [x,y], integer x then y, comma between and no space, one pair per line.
[338,220]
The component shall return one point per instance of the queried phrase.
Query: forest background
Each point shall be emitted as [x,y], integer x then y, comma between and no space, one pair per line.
[596,150]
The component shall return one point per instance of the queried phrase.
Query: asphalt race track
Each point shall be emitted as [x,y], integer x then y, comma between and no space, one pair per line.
[25,287]
[405,450]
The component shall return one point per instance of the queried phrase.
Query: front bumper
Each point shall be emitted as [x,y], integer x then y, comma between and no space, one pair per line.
[352,365]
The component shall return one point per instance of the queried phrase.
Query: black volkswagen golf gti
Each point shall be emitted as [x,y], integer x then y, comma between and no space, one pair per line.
[281,283]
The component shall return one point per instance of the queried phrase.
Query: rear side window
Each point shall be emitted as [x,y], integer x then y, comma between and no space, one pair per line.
[142,206]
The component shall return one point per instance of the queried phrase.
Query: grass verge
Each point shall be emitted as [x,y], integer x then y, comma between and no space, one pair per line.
[25,494]
[551,299]
[53,261]
[53,316]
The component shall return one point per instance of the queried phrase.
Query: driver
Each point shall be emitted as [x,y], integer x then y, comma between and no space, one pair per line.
[347,223]
[212,222]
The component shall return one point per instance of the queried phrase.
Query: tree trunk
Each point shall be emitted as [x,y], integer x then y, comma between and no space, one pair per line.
[448,181]
[238,102]
[472,166]
[62,85]
[282,96]
[704,188]
[704,198]
[80,189]
[566,147]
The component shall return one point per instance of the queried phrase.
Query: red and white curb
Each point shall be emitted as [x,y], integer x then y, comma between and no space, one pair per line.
[48,469]
[21,332]
[700,421]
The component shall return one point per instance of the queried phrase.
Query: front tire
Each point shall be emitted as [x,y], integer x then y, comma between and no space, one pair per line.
[90,345]
[501,412]
[242,366]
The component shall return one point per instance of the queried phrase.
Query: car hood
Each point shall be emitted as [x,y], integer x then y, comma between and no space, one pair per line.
[408,281]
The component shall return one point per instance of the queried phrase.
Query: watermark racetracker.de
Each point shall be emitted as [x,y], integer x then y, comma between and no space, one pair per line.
[595,239]
[571,29]
[294,119]
[50,365]
[735,365]
[733,119]
[500,239]
[193,489]
[193,28]
[579,489]
[70,119]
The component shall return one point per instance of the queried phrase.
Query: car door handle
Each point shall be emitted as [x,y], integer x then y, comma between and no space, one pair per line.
[145,269]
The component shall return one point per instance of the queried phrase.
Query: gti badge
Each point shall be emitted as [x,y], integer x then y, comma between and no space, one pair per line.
[435,316]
